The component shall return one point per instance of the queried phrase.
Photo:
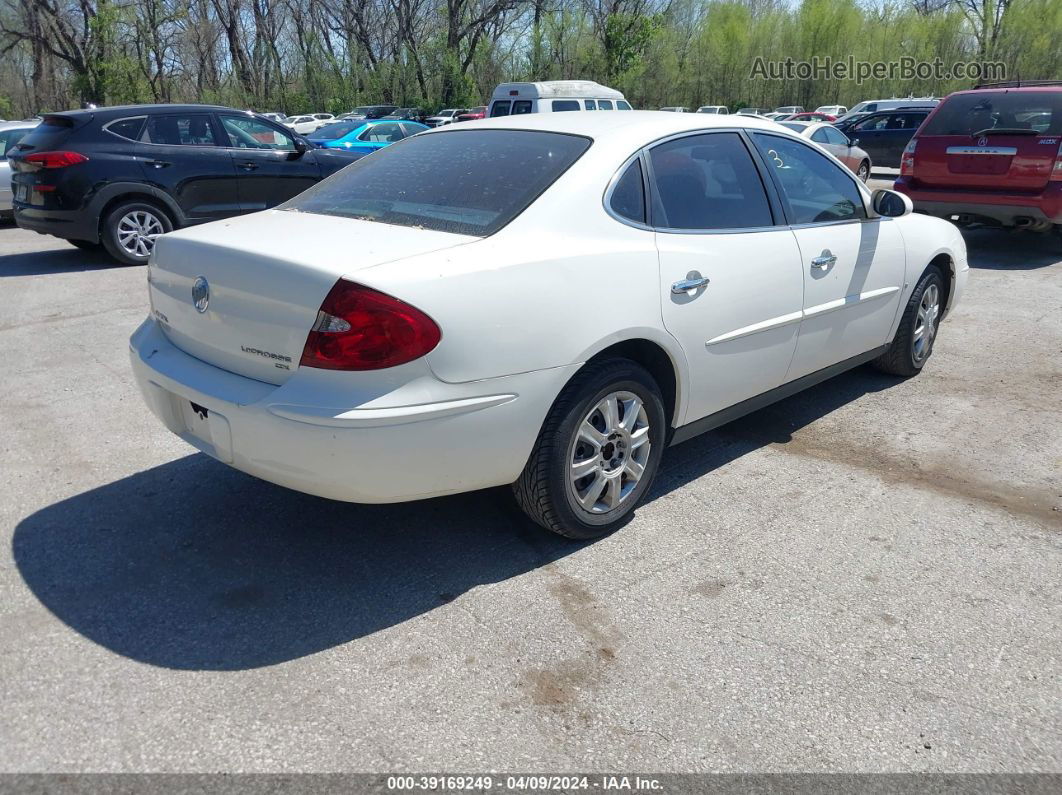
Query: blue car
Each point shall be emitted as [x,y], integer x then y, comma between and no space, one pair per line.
[361,135]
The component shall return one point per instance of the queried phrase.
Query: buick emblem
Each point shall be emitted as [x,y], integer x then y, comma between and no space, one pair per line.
[982,141]
[201,294]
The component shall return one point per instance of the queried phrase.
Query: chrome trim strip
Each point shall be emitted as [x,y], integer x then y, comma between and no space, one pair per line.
[794,317]
[107,127]
[982,150]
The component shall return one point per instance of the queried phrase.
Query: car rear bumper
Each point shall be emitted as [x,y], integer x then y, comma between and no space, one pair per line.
[1003,207]
[68,224]
[387,449]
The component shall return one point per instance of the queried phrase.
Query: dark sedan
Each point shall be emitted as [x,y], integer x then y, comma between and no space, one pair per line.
[884,134]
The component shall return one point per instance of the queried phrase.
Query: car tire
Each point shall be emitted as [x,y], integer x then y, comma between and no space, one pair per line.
[126,227]
[864,171]
[617,469]
[85,245]
[913,344]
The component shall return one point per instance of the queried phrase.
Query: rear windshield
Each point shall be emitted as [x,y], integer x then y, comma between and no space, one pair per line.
[469,182]
[1038,112]
[48,134]
[331,132]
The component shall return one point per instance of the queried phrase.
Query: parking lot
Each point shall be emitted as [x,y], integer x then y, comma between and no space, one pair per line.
[862,577]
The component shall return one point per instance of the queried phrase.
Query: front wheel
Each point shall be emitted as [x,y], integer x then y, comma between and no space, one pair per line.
[130,229]
[913,344]
[864,171]
[597,453]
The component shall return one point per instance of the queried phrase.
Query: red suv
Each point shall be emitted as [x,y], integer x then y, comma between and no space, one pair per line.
[990,155]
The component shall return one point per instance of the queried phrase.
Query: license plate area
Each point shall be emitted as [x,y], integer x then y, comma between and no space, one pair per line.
[204,428]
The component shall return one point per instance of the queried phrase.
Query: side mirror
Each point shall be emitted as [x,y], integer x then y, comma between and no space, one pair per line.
[853,142]
[301,147]
[891,204]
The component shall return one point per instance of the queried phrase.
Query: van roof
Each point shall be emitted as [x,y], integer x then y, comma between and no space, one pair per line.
[556,88]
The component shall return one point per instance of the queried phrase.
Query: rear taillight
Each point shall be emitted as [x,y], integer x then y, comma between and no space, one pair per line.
[359,328]
[907,159]
[1056,170]
[55,159]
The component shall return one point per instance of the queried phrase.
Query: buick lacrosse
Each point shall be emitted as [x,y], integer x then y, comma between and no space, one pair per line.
[546,301]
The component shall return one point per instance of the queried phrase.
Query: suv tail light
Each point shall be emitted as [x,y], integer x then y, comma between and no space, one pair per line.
[55,159]
[907,159]
[1056,171]
[359,328]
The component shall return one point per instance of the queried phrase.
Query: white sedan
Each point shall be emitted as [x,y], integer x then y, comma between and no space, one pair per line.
[304,125]
[548,301]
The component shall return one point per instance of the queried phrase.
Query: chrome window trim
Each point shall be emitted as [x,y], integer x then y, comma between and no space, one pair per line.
[107,128]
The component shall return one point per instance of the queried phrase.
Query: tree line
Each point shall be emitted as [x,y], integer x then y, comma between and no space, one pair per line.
[331,55]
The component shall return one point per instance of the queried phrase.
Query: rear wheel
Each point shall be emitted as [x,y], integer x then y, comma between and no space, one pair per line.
[913,344]
[598,451]
[130,229]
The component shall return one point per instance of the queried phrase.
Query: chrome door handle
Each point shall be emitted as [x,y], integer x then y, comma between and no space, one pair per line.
[687,284]
[250,166]
[824,262]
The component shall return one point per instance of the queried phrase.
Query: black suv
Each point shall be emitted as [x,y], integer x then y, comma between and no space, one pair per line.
[117,177]
[884,133]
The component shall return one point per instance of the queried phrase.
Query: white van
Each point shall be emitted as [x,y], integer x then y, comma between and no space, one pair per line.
[872,105]
[713,109]
[513,99]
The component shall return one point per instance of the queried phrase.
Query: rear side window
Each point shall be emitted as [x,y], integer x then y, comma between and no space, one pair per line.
[521,106]
[707,182]
[565,104]
[1023,112]
[820,137]
[49,134]
[470,182]
[816,190]
[590,104]
[127,128]
[500,108]
[628,197]
[180,129]
[604,104]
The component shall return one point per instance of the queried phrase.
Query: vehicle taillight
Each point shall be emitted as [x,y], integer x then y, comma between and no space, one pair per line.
[907,159]
[358,328]
[55,159]
[1056,172]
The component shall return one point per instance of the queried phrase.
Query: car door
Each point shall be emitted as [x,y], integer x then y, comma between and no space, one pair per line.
[822,138]
[853,264]
[269,167]
[871,135]
[179,154]
[899,129]
[731,283]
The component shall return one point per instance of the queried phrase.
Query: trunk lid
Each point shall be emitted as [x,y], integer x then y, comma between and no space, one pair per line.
[266,276]
[1002,140]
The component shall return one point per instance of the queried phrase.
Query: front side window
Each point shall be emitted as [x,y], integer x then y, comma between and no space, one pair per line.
[244,132]
[707,182]
[565,104]
[500,108]
[819,136]
[814,188]
[469,182]
[872,123]
[628,196]
[180,129]
[622,104]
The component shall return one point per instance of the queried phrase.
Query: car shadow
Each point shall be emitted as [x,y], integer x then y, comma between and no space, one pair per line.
[1011,250]
[64,258]
[192,565]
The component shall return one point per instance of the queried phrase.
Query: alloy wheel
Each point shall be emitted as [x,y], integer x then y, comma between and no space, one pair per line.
[136,232]
[926,323]
[609,453]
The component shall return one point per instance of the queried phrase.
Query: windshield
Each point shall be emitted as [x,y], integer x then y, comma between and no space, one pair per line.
[1023,112]
[469,182]
[331,132]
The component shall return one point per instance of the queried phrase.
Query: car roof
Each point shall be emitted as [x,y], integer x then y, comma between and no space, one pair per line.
[556,88]
[116,111]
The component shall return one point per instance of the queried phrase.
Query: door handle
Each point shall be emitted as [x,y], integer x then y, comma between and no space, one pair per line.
[249,166]
[158,163]
[825,262]
[693,281]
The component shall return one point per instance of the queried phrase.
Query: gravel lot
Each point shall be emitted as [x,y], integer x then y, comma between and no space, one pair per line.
[863,577]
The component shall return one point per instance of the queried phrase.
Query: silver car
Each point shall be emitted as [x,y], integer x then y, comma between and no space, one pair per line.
[11,133]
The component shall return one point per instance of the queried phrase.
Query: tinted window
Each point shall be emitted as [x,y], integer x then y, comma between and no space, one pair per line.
[795,126]
[180,129]
[334,131]
[819,136]
[565,104]
[815,190]
[590,104]
[469,182]
[386,133]
[500,108]
[966,114]
[49,134]
[708,182]
[247,133]
[628,197]
[127,128]
[622,104]
[9,138]
[521,106]
[835,136]
[604,104]
[871,123]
